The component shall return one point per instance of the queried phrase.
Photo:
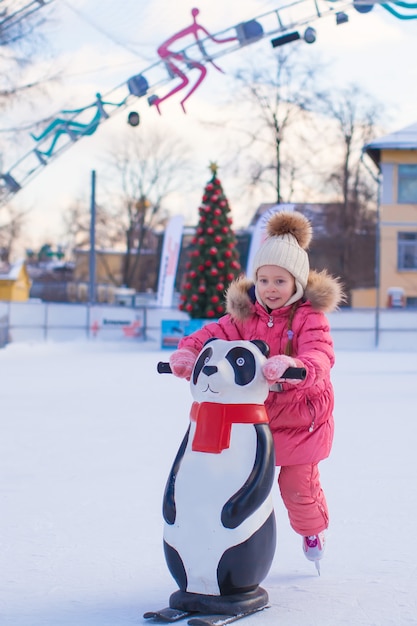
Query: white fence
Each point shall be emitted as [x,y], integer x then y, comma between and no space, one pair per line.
[352,329]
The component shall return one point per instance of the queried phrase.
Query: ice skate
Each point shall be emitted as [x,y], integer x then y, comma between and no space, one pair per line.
[313,547]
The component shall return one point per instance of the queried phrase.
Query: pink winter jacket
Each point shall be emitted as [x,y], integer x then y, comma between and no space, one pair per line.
[300,416]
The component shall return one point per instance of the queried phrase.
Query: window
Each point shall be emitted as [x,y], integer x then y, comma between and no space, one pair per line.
[407,251]
[407,184]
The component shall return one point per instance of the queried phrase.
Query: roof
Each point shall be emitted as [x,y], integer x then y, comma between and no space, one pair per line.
[13,271]
[404,139]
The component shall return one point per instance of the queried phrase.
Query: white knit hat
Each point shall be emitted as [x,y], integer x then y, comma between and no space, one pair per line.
[289,235]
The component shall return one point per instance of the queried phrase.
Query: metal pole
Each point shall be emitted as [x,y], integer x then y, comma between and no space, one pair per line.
[92,260]
[378,263]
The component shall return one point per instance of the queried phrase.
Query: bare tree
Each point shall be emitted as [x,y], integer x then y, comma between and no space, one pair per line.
[11,223]
[21,44]
[143,169]
[355,117]
[276,96]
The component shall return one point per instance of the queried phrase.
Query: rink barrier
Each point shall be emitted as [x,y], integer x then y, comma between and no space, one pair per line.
[352,329]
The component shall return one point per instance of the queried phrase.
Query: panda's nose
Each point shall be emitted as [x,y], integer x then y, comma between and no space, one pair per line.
[208,370]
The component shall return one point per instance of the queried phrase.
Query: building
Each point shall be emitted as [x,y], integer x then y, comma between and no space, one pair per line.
[395,155]
[15,283]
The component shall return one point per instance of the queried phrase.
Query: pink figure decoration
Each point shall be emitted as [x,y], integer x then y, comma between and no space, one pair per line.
[168,56]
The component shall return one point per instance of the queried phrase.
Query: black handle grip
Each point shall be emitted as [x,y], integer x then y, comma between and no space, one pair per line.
[292,372]
[163,368]
[298,373]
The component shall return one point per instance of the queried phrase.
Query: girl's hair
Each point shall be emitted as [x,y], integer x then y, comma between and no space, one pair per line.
[290,334]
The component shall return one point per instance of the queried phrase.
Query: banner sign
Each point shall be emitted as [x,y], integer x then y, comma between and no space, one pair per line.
[115,323]
[174,330]
[169,260]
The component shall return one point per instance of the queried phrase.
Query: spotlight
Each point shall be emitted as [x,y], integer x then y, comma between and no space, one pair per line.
[361,7]
[341,18]
[133,118]
[280,41]
[11,183]
[309,35]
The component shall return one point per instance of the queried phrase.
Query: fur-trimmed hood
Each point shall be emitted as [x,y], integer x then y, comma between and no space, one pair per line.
[323,291]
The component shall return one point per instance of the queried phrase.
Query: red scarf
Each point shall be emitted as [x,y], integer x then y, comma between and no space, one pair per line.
[214,423]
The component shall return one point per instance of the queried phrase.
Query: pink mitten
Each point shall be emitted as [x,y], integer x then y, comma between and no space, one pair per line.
[182,362]
[276,366]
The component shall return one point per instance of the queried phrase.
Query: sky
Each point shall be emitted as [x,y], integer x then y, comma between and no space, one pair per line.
[97,46]
[89,433]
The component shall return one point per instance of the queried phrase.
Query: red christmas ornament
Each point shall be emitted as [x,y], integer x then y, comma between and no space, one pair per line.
[219,287]
[214,299]
[189,307]
[200,268]
[187,286]
[230,276]
[209,186]
[193,274]
[229,220]
[217,238]
[201,241]
[217,211]
[221,264]
[202,288]
[194,297]
[210,230]
[225,230]
[214,198]
[228,254]
[216,182]
[222,203]
[208,263]
[214,271]
[213,250]
[215,222]
[210,313]
[220,308]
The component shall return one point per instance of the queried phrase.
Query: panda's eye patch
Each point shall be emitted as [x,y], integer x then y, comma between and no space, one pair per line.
[243,363]
[202,360]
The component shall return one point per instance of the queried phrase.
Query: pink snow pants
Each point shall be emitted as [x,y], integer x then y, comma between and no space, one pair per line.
[304,498]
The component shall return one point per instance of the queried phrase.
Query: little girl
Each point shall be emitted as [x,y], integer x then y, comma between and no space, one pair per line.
[285,306]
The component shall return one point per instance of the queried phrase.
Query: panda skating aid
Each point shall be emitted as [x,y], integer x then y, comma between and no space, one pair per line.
[219,522]
[168,615]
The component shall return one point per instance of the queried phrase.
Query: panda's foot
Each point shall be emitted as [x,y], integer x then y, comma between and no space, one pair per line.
[232,604]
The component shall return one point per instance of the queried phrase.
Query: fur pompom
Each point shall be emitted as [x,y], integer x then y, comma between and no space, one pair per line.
[293,223]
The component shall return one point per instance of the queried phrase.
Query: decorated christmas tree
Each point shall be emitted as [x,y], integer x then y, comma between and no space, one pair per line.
[214,258]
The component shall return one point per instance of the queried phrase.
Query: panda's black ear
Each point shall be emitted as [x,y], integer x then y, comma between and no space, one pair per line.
[262,345]
[209,340]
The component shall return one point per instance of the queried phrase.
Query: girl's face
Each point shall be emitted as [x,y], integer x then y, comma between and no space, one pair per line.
[275,285]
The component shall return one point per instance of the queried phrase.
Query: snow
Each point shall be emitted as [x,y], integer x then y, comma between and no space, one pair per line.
[88,434]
